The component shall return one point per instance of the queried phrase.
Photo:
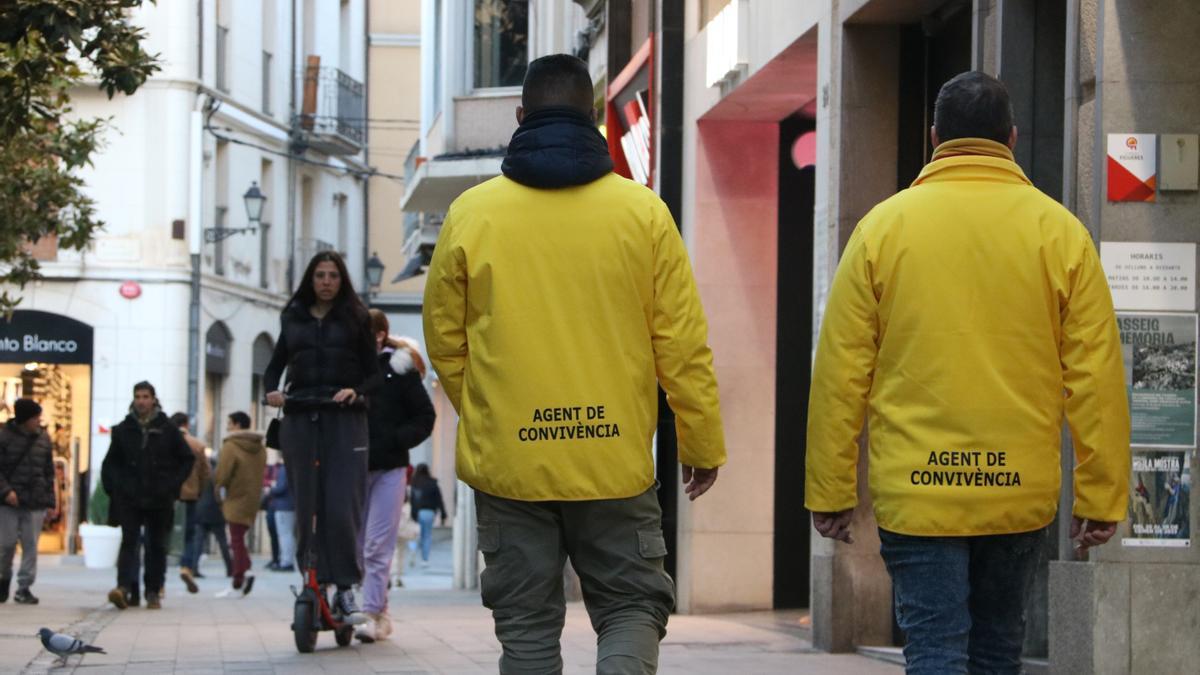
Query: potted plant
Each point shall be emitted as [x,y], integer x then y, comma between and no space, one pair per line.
[101,543]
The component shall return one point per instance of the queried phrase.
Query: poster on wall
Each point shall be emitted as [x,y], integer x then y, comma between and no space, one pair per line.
[1132,168]
[1160,489]
[1160,373]
[1150,275]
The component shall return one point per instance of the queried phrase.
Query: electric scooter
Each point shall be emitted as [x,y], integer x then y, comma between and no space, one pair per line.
[312,612]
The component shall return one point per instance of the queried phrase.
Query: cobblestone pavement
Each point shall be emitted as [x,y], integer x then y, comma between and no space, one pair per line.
[437,630]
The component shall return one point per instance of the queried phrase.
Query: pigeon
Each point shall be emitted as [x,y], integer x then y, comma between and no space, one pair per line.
[63,646]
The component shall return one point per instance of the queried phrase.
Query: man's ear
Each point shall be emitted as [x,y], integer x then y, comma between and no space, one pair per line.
[520,114]
[1012,138]
[933,137]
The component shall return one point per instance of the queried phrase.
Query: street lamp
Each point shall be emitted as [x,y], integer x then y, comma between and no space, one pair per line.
[254,200]
[375,269]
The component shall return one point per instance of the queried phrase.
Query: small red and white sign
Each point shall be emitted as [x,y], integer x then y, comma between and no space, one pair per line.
[1132,168]
[131,290]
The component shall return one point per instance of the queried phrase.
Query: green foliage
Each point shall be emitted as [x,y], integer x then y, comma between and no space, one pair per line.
[46,48]
[98,506]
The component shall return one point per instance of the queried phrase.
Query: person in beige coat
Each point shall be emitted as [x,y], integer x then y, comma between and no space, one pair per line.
[240,469]
[189,494]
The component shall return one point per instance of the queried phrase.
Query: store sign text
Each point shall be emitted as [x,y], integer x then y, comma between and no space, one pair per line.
[34,344]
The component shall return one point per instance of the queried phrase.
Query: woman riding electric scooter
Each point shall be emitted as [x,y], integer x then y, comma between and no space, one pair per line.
[327,346]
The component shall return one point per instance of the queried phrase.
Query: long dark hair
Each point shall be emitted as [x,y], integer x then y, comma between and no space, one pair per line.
[346,298]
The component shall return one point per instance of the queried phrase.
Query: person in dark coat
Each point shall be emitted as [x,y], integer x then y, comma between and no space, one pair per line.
[400,417]
[146,465]
[426,505]
[210,521]
[283,509]
[26,491]
[326,345]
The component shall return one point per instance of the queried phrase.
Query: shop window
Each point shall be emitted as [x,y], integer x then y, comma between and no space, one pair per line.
[501,42]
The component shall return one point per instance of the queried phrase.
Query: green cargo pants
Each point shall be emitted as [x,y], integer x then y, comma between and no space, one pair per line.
[617,548]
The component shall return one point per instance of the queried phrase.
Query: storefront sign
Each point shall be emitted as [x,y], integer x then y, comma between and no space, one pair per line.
[1150,275]
[131,290]
[1159,499]
[42,337]
[1160,373]
[1132,170]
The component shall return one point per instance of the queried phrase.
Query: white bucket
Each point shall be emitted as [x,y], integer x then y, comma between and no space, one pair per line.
[101,544]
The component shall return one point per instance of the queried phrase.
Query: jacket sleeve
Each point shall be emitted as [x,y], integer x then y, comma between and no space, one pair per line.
[108,468]
[278,362]
[445,313]
[841,381]
[417,423]
[184,456]
[280,487]
[1097,405]
[225,465]
[682,358]
[437,494]
[5,486]
[204,471]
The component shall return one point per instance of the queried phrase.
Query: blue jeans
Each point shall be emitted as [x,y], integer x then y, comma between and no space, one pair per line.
[961,600]
[425,520]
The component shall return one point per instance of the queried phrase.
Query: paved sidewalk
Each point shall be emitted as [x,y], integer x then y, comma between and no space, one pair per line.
[436,631]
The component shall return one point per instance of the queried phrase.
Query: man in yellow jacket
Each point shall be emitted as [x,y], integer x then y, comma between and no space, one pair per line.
[558,298]
[968,314]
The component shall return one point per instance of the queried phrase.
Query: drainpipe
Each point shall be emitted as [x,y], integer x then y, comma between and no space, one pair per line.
[366,180]
[291,162]
[195,237]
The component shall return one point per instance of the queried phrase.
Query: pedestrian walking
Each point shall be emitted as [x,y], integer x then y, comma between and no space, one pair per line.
[326,344]
[273,465]
[240,468]
[146,465]
[26,492]
[400,417]
[565,292]
[962,310]
[210,522]
[283,508]
[427,505]
[189,494]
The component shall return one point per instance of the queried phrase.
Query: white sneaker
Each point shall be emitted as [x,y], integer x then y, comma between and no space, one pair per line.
[228,593]
[424,564]
[383,626]
[367,631]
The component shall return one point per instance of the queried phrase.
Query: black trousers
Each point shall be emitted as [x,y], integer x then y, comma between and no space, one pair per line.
[325,453]
[157,524]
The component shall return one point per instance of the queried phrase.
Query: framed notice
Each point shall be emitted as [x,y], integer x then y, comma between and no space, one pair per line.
[1150,275]
[1160,374]
[1132,168]
[1160,499]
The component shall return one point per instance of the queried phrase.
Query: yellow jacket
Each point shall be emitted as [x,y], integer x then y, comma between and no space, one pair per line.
[548,315]
[968,314]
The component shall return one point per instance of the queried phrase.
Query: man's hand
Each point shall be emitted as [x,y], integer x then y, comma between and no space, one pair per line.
[11,498]
[834,525]
[697,481]
[1090,533]
[345,396]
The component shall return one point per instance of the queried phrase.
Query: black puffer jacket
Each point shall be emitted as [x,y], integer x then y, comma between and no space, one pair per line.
[337,352]
[401,414]
[146,466]
[555,148]
[26,467]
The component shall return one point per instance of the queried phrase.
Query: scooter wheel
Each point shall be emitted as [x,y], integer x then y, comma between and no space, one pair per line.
[344,635]
[302,626]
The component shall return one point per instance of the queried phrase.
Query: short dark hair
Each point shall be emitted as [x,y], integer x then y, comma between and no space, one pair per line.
[558,80]
[180,419]
[144,386]
[240,419]
[973,105]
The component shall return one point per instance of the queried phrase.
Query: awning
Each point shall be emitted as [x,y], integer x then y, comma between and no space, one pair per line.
[438,182]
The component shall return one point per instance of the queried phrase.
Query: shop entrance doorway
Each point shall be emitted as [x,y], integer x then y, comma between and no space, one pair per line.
[48,358]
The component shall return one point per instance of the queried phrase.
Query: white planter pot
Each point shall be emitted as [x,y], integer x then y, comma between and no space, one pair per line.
[101,544]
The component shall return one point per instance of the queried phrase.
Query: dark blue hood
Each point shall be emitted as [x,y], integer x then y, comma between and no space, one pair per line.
[555,148]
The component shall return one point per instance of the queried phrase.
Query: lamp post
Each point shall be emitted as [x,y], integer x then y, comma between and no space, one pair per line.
[375,269]
[254,200]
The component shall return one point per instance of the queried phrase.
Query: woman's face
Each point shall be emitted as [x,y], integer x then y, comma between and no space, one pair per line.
[326,281]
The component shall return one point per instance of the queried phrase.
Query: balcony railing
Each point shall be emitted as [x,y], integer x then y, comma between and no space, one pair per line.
[333,113]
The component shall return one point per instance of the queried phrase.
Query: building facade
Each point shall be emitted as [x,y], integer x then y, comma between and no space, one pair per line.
[184,287]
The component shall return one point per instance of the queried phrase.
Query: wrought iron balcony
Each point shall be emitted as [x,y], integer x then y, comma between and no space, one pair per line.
[333,118]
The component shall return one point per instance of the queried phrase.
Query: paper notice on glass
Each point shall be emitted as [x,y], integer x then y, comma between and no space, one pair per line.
[1150,275]
[1160,373]
[1160,489]
[1132,169]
